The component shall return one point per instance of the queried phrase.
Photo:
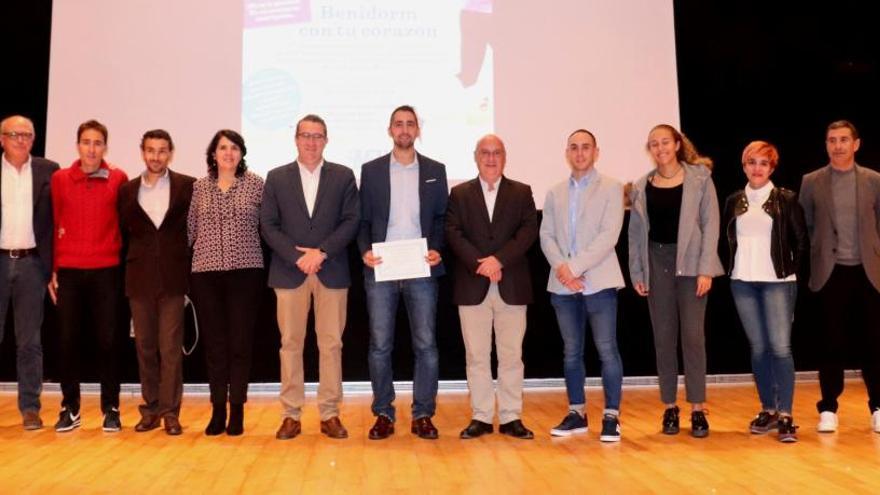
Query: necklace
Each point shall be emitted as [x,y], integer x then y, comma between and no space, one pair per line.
[667,177]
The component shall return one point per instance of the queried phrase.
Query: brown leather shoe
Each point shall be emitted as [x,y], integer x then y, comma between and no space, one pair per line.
[172,425]
[424,428]
[147,423]
[31,420]
[290,428]
[333,428]
[383,428]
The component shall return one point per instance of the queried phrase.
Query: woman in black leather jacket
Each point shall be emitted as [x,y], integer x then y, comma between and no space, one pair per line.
[768,240]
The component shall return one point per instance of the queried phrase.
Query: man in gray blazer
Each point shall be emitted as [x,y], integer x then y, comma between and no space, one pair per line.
[309,215]
[25,255]
[583,216]
[403,196]
[842,206]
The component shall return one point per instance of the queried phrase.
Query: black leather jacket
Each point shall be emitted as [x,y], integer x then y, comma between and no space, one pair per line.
[789,243]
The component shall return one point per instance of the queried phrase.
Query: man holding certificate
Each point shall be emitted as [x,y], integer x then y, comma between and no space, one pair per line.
[403,206]
[491,223]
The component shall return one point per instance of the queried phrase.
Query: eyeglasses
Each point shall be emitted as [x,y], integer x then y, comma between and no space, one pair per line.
[21,137]
[311,137]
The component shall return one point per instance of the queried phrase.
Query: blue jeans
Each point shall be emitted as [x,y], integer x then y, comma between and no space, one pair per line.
[766,310]
[22,281]
[420,298]
[574,312]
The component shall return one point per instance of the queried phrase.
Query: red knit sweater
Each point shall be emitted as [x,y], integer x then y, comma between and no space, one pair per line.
[86,222]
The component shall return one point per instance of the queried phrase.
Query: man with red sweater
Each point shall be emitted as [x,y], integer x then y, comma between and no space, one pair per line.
[87,274]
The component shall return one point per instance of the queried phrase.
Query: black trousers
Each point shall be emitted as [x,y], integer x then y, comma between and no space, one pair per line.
[226,304]
[851,327]
[89,297]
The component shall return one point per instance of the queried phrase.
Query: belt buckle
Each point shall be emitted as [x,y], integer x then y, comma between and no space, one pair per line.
[15,253]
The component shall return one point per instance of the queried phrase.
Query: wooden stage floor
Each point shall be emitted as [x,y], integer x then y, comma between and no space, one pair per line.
[729,461]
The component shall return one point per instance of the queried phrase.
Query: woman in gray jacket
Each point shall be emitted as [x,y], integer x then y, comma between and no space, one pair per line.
[673,255]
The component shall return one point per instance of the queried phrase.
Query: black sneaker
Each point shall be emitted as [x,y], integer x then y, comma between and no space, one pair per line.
[572,424]
[610,428]
[111,420]
[67,420]
[787,430]
[670,421]
[763,423]
[699,424]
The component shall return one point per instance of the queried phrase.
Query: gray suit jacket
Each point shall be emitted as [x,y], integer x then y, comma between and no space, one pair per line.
[599,220]
[285,223]
[41,174]
[815,197]
[698,228]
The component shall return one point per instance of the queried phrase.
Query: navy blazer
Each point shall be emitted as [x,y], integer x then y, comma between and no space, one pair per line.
[375,195]
[41,173]
[285,224]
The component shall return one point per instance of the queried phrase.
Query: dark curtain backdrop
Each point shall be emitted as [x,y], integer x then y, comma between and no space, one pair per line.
[746,71]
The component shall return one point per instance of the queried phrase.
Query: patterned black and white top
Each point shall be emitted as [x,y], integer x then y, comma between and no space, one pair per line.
[224,228]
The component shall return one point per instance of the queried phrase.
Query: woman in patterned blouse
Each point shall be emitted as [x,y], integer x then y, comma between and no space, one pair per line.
[227,279]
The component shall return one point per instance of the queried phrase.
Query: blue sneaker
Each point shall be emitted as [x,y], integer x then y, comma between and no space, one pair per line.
[610,428]
[572,424]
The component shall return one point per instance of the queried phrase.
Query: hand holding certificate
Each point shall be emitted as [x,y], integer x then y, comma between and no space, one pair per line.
[401,260]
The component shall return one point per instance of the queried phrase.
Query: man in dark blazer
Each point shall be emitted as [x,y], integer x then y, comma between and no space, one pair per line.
[25,255]
[309,215]
[842,206]
[152,214]
[491,223]
[403,196]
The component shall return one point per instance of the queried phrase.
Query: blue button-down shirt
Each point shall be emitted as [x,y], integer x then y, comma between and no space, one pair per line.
[403,215]
[576,190]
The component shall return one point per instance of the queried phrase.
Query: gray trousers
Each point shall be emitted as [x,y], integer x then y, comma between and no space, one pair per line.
[674,307]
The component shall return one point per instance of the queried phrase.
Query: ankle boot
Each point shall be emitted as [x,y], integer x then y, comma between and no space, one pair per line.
[236,420]
[218,420]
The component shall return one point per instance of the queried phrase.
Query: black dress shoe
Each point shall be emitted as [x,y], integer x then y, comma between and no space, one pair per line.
[516,429]
[476,429]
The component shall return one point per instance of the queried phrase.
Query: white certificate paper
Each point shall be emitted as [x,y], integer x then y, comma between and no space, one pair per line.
[401,260]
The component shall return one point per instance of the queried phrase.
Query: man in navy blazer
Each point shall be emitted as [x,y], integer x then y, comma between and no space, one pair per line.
[403,196]
[582,219]
[25,255]
[309,215]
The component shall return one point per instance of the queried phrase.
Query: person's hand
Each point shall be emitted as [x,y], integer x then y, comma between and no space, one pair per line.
[564,274]
[53,288]
[641,288]
[489,266]
[433,258]
[704,283]
[310,261]
[370,260]
[575,285]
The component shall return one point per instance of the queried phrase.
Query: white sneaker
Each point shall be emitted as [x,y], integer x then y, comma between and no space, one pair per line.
[828,422]
[875,421]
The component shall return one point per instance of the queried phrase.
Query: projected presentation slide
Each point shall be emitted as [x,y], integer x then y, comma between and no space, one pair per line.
[352,62]
[529,72]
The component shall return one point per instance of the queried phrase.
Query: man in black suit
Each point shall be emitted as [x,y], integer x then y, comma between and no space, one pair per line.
[25,255]
[490,225]
[152,214]
[309,215]
[403,196]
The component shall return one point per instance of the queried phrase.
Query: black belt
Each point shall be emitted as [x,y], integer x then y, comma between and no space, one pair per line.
[18,253]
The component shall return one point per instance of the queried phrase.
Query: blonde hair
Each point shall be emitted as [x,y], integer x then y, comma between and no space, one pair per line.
[687,152]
